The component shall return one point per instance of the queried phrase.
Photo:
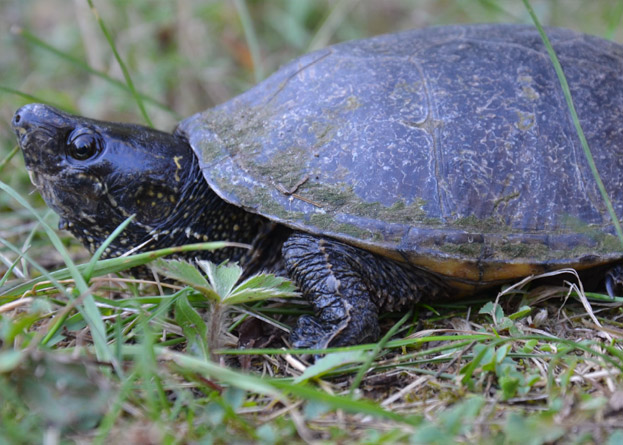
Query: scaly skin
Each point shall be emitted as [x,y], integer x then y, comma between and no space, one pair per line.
[96,174]
[132,170]
[347,287]
[110,171]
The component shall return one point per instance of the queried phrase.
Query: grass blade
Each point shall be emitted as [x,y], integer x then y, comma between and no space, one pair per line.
[251,37]
[88,308]
[615,19]
[8,157]
[113,265]
[275,387]
[100,250]
[339,402]
[377,349]
[331,24]
[576,121]
[30,97]
[45,275]
[124,69]
[34,40]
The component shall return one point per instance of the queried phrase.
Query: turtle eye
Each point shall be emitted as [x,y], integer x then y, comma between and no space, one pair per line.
[83,145]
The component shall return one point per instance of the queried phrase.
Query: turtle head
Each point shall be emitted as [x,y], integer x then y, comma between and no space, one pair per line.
[96,174]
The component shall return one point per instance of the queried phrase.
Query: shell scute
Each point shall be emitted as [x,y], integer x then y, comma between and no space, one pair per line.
[451,148]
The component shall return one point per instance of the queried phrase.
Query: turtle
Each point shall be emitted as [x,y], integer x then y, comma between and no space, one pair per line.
[416,166]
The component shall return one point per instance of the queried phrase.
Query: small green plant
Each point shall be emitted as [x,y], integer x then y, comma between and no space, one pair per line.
[219,286]
[450,424]
[495,357]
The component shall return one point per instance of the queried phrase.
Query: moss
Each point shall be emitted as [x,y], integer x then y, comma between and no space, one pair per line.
[524,250]
[482,225]
[327,223]
[324,132]
[466,250]
[328,196]
[602,240]
[352,103]
[411,214]
[284,169]
[505,199]
[529,92]
[610,243]
[326,129]
[242,135]
[525,121]
[341,196]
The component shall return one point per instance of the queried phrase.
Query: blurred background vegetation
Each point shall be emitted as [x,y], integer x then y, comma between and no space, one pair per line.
[192,54]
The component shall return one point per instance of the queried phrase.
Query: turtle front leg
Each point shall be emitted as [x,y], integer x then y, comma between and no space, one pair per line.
[346,287]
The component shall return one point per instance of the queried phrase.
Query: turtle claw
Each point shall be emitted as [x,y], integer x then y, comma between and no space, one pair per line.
[614,281]
[609,286]
[310,333]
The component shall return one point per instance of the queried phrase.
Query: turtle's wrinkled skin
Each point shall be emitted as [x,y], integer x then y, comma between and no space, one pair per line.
[374,173]
[96,174]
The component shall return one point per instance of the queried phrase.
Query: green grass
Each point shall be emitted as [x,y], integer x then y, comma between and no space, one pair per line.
[88,355]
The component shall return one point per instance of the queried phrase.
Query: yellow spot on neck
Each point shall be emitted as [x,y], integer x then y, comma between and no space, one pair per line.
[177,159]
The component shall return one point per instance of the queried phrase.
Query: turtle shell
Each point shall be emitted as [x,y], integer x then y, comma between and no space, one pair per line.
[450,148]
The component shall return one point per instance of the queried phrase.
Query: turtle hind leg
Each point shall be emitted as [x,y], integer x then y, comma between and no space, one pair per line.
[614,281]
[347,287]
